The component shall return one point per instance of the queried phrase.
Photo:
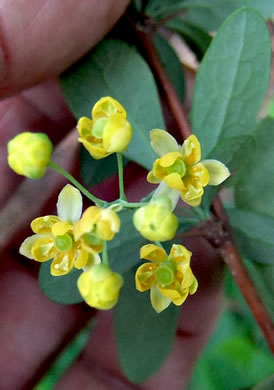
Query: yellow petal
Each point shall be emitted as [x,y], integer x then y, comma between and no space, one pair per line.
[94,150]
[192,202]
[159,302]
[191,150]
[43,225]
[193,287]
[108,224]
[188,279]
[162,142]
[218,172]
[106,107]
[43,249]
[174,181]
[27,244]
[200,174]
[144,277]
[152,252]
[62,264]
[61,228]
[80,258]
[180,254]
[117,134]
[169,159]
[87,222]
[84,127]
[152,179]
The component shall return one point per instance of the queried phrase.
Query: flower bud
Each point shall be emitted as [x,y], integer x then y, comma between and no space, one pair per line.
[100,287]
[155,222]
[29,154]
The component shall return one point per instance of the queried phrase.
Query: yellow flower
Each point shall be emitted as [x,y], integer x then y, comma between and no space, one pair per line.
[181,169]
[168,277]
[155,222]
[99,286]
[53,238]
[29,154]
[108,131]
[95,226]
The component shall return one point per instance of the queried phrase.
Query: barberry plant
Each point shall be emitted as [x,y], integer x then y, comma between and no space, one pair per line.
[94,255]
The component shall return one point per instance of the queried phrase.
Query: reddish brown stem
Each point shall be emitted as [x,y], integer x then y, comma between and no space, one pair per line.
[227,248]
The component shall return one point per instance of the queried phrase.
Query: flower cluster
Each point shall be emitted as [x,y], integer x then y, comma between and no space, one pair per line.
[75,240]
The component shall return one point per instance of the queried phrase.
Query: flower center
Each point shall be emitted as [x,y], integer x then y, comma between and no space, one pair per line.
[63,243]
[98,127]
[92,238]
[165,273]
[177,167]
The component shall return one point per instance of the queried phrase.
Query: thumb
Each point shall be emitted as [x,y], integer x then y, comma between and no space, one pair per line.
[41,38]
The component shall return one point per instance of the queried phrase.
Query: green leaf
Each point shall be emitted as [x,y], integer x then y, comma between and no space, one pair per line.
[95,171]
[60,289]
[235,153]
[263,276]
[255,189]
[171,63]
[267,384]
[254,234]
[125,248]
[210,14]
[144,338]
[116,69]
[198,39]
[232,80]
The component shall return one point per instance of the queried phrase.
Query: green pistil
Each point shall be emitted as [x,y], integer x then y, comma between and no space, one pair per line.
[92,239]
[63,243]
[98,127]
[177,167]
[165,273]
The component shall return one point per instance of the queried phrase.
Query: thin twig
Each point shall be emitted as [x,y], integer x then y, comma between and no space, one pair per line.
[227,248]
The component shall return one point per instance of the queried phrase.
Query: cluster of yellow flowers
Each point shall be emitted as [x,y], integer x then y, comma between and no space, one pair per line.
[75,240]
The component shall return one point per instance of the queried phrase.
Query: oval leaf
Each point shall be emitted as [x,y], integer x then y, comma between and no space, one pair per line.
[144,338]
[232,80]
[60,289]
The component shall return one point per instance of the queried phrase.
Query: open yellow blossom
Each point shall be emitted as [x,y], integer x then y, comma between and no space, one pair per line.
[29,154]
[108,131]
[53,238]
[168,277]
[99,286]
[96,226]
[181,169]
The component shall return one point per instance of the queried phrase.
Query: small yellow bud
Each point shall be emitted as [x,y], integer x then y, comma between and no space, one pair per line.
[100,287]
[155,222]
[29,154]
[108,131]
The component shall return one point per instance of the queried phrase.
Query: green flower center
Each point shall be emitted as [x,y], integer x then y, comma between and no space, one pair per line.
[92,239]
[165,273]
[177,167]
[98,127]
[63,243]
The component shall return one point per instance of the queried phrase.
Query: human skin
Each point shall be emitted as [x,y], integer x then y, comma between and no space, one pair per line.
[39,39]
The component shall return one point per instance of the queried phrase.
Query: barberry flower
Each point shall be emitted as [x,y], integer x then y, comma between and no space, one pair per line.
[108,131]
[181,169]
[99,286]
[53,238]
[29,154]
[168,277]
[96,226]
